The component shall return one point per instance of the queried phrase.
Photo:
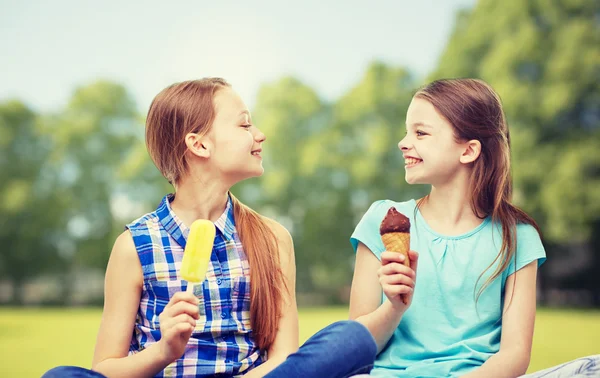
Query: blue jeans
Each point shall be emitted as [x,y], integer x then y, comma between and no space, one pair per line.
[342,349]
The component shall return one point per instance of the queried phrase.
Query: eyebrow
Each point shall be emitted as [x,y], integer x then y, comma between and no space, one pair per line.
[416,124]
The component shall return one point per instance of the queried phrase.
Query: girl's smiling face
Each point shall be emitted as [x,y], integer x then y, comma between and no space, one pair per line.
[431,152]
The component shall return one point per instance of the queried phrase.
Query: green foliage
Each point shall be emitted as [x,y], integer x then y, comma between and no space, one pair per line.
[27,218]
[58,182]
[62,175]
[325,163]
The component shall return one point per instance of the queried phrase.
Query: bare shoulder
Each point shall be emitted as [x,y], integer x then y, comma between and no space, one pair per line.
[124,246]
[280,232]
[124,256]
[287,259]
[284,239]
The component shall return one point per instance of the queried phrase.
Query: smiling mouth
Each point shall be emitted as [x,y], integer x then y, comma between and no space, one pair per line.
[411,162]
[256,153]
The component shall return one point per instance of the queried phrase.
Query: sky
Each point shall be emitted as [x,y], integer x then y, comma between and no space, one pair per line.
[49,48]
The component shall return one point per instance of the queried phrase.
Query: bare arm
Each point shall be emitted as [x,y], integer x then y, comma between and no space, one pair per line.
[122,291]
[286,341]
[371,279]
[517,327]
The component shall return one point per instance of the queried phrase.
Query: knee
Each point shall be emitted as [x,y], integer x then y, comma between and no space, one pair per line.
[70,372]
[349,327]
[352,332]
[59,371]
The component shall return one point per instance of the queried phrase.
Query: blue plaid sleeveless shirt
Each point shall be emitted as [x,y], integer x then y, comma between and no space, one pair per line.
[222,342]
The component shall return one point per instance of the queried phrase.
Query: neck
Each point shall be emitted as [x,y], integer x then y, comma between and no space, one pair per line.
[199,199]
[447,209]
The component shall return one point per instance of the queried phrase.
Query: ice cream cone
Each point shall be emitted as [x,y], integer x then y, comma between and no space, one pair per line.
[395,235]
[397,242]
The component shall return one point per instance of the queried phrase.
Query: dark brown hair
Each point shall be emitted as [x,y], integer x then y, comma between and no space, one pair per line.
[188,107]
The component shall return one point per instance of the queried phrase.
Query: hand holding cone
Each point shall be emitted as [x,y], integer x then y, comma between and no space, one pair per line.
[395,234]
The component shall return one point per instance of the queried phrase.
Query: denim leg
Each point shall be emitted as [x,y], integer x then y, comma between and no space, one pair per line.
[582,367]
[71,372]
[341,350]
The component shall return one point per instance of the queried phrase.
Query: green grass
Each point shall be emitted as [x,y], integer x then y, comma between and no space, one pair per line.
[34,340]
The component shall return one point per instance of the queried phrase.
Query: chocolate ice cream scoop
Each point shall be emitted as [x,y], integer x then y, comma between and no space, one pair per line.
[394,222]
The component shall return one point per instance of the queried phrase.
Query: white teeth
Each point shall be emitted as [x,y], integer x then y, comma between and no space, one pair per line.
[411,161]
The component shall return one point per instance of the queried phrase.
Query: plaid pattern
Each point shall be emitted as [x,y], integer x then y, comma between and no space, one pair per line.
[222,342]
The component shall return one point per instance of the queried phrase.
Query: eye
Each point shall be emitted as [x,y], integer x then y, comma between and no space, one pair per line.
[420,133]
[247,126]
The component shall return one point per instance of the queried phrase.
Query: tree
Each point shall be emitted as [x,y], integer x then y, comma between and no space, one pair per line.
[28,207]
[290,114]
[326,163]
[90,139]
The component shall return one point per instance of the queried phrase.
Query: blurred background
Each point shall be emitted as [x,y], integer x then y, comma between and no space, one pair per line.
[329,85]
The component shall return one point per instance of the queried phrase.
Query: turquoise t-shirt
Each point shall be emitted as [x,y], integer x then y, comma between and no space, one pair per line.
[443,333]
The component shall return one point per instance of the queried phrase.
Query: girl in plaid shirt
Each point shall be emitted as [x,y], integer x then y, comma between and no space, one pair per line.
[243,319]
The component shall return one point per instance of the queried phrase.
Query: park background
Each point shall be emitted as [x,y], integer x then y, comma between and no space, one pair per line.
[329,84]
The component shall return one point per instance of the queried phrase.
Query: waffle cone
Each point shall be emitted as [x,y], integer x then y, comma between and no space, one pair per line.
[397,242]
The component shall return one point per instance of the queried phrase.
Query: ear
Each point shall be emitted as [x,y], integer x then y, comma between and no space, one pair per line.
[471,152]
[198,145]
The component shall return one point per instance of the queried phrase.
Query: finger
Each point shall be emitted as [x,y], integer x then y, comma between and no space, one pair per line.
[186,333]
[169,323]
[179,329]
[181,308]
[398,279]
[414,259]
[182,296]
[394,290]
[396,268]
[391,257]
[184,318]
[184,308]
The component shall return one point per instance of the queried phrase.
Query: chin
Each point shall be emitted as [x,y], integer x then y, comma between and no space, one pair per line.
[258,171]
[253,173]
[413,180]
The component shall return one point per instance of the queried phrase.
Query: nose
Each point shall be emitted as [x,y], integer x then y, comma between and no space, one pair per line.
[259,137]
[403,145]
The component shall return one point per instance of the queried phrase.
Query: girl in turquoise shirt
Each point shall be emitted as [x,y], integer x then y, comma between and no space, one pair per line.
[471,302]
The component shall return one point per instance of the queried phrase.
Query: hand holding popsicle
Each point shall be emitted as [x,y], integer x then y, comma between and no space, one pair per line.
[198,249]
[178,319]
[177,322]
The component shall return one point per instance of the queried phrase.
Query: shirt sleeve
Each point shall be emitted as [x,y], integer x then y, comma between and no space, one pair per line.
[367,230]
[529,248]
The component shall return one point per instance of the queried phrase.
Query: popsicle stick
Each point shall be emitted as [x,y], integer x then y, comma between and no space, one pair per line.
[190,287]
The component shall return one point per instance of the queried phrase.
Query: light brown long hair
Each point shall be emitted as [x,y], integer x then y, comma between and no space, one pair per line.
[188,107]
[475,112]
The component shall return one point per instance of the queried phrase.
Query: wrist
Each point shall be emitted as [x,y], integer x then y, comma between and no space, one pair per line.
[396,308]
[161,351]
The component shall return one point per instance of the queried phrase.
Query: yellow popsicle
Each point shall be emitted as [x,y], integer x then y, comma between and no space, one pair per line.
[198,249]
